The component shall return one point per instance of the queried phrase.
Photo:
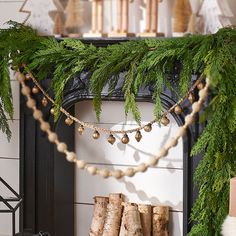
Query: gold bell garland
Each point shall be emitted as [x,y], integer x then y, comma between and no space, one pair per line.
[176,108]
[105,173]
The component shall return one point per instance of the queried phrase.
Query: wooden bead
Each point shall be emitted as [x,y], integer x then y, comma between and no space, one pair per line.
[45,126]
[191,98]
[200,85]
[165,121]
[70,156]
[117,174]
[52,111]
[196,107]
[44,101]
[178,110]
[81,129]
[111,139]
[96,134]
[152,161]
[203,94]
[35,90]
[189,119]
[141,167]
[92,170]
[130,172]
[180,132]
[81,164]
[138,136]
[25,90]
[172,142]
[30,103]
[125,139]
[52,137]
[69,121]
[27,76]
[61,147]
[37,114]
[20,77]
[148,128]
[163,152]
[104,173]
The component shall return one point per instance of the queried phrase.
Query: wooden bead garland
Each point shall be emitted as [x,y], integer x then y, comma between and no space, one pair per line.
[81,164]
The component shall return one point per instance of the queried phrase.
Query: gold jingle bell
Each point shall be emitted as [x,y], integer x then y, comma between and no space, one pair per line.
[35,90]
[81,129]
[125,139]
[191,98]
[69,121]
[44,101]
[96,134]
[178,109]
[111,139]
[148,127]
[165,121]
[138,136]
[200,85]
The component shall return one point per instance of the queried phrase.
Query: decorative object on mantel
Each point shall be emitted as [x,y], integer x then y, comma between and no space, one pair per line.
[122,19]
[151,20]
[146,62]
[229,226]
[97,20]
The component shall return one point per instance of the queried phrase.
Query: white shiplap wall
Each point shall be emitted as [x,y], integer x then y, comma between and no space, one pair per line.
[160,185]
[9,151]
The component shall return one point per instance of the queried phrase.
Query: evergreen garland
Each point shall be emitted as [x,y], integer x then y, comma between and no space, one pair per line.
[144,62]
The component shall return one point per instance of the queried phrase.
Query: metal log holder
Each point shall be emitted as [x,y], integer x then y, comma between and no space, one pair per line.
[7,202]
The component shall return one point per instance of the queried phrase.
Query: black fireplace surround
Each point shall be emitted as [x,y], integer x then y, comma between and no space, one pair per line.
[47,179]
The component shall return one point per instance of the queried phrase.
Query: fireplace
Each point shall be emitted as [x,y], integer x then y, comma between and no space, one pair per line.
[47,179]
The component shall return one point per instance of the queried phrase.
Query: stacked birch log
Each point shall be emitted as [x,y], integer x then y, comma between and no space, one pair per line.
[112,216]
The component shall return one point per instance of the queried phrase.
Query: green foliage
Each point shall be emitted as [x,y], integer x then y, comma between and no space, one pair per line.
[144,62]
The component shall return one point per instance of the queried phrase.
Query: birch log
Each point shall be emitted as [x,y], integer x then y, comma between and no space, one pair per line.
[160,221]
[114,213]
[99,216]
[146,218]
[131,222]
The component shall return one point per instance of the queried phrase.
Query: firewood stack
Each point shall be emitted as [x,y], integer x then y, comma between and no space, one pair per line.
[114,217]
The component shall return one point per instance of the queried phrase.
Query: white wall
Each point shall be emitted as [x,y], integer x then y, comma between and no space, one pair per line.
[160,185]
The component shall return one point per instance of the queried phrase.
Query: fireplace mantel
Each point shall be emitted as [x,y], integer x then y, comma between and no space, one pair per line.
[47,179]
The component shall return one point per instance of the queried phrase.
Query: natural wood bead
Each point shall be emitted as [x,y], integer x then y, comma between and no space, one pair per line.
[172,142]
[52,137]
[200,85]
[31,103]
[196,107]
[191,98]
[61,147]
[37,114]
[189,119]
[203,94]
[81,164]
[180,132]
[25,90]
[20,77]
[70,156]
[52,111]
[130,172]
[163,152]
[117,174]
[44,101]
[152,161]
[92,170]
[44,126]
[27,76]
[104,173]
[141,167]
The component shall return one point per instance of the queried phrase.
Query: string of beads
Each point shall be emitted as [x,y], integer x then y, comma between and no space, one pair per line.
[105,173]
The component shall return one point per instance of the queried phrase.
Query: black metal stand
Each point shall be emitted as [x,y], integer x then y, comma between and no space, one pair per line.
[7,202]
